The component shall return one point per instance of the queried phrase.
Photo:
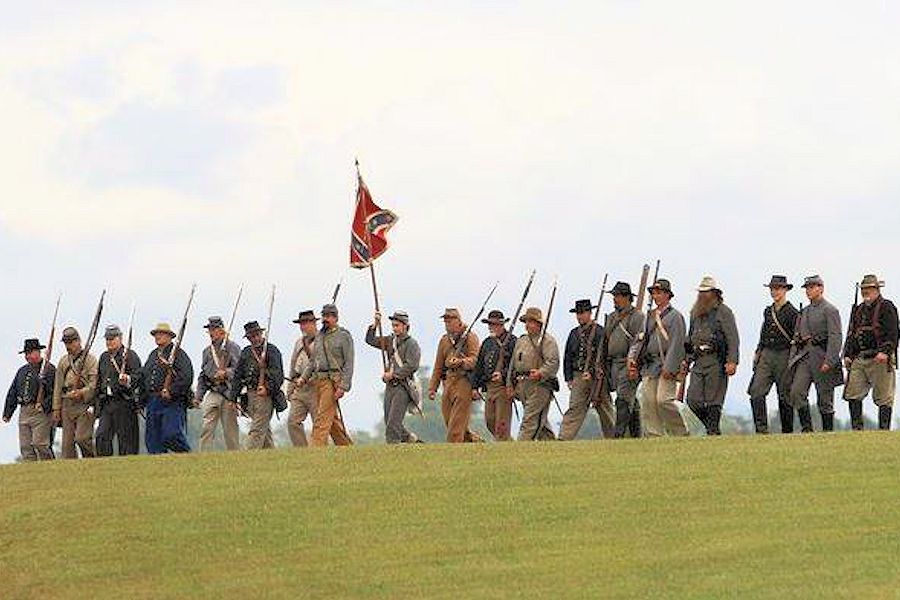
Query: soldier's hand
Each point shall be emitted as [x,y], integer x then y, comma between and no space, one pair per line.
[166,395]
[476,395]
[535,375]
[469,363]
[496,377]
[57,416]
[6,419]
[431,394]
[125,379]
[301,381]
[586,376]
[569,384]
[377,317]
[825,367]
[262,391]
[510,392]
[453,362]
[881,358]
[668,375]
[339,393]
[730,369]
[848,362]
[196,402]
[387,376]
[220,375]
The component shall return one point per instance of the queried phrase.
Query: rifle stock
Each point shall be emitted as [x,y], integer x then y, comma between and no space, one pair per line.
[170,363]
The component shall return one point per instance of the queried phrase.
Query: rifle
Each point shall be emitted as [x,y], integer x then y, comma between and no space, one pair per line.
[212,349]
[337,290]
[264,354]
[590,358]
[85,349]
[502,358]
[544,334]
[170,362]
[461,342]
[646,334]
[642,290]
[121,368]
[48,355]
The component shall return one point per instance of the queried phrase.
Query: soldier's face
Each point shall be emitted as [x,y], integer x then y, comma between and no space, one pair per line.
[33,357]
[216,334]
[778,293]
[452,325]
[308,328]
[73,347]
[660,298]
[532,327]
[255,338]
[583,318]
[814,292]
[496,329]
[870,294]
[162,339]
[114,344]
[329,320]
[399,328]
[621,301]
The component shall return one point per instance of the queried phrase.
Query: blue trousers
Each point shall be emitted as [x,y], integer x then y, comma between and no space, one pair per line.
[166,427]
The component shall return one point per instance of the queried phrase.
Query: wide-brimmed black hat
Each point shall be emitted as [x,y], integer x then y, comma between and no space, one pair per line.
[215,323]
[32,344]
[663,285]
[252,327]
[622,288]
[306,315]
[495,317]
[780,281]
[582,306]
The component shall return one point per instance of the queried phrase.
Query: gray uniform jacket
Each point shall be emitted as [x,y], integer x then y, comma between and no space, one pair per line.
[206,380]
[819,337]
[333,353]
[407,349]
[622,329]
[714,338]
[659,353]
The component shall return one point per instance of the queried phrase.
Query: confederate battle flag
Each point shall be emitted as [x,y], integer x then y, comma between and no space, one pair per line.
[368,238]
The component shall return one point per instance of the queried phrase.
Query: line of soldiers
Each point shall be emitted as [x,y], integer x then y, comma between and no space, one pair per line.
[651,363]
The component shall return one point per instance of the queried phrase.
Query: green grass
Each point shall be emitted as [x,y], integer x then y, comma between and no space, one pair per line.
[783,516]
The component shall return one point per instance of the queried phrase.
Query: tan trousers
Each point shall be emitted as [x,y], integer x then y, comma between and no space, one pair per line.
[867,375]
[259,408]
[580,403]
[327,421]
[77,428]
[659,412]
[456,407]
[303,404]
[34,433]
[216,409]
[498,412]
[536,400]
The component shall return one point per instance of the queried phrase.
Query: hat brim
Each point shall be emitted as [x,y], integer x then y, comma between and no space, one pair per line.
[654,287]
[708,289]
[526,319]
[169,333]
[495,321]
[256,330]
[306,320]
[27,350]
[211,326]
[787,286]
[808,285]
[580,310]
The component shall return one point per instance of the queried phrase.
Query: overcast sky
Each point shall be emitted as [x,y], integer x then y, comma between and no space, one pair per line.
[147,147]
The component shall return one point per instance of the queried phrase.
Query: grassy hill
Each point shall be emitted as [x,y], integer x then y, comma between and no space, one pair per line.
[773,517]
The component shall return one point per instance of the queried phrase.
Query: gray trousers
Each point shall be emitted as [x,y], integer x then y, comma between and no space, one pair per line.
[806,374]
[396,405]
[260,410]
[626,397]
[35,427]
[771,369]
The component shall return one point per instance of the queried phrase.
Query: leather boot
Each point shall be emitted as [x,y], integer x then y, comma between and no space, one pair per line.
[805,419]
[635,425]
[760,418]
[786,416]
[884,417]
[827,421]
[713,419]
[856,414]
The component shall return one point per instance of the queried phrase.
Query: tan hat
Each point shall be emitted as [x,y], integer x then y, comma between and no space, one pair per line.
[708,284]
[451,313]
[533,314]
[163,328]
[870,281]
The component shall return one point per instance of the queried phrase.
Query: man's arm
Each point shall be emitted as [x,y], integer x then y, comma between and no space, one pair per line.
[732,338]
[9,406]
[439,359]
[550,366]
[89,376]
[568,360]
[835,337]
[675,353]
[889,328]
[347,350]
[240,371]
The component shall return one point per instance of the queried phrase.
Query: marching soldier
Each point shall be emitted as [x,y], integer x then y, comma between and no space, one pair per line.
[302,397]
[119,377]
[713,350]
[214,387]
[400,391]
[260,372]
[166,393]
[454,361]
[816,356]
[870,354]
[535,368]
[33,396]
[579,370]
[332,370]
[73,396]
[771,358]
[622,328]
[490,370]
[657,357]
